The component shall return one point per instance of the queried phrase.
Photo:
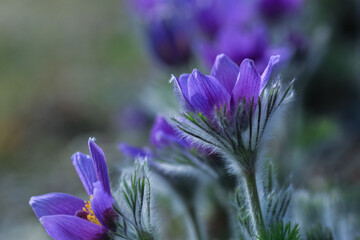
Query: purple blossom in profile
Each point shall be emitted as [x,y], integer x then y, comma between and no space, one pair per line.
[66,217]
[169,39]
[276,8]
[162,135]
[226,85]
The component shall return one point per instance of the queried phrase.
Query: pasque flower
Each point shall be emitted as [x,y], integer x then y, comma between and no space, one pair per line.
[225,86]
[162,135]
[66,217]
[169,40]
[228,113]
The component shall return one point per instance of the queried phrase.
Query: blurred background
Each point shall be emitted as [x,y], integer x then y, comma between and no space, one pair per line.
[74,69]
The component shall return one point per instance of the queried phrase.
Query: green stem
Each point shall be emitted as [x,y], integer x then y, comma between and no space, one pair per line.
[254,202]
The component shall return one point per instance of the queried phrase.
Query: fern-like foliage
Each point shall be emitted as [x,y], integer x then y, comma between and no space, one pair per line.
[135,206]
[280,231]
[319,233]
[277,200]
[242,214]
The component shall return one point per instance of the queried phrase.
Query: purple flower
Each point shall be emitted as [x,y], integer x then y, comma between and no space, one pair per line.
[163,134]
[277,8]
[241,43]
[212,15]
[169,40]
[66,217]
[134,152]
[227,85]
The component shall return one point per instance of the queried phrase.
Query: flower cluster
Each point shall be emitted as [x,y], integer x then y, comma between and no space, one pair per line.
[212,27]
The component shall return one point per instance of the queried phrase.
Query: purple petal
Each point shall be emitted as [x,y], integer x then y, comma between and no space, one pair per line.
[161,132]
[134,152]
[99,162]
[181,90]
[225,71]
[85,168]
[267,72]
[102,204]
[64,227]
[206,93]
[55,204]
[248,82]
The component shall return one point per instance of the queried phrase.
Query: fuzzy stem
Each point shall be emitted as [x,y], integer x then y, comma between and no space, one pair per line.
[254,202]
[193,216]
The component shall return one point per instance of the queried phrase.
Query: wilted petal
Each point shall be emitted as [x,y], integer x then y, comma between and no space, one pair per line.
[55,204]
[102,204]
[65,227]
[267,72]
[248,82]
[225,71]
[85,168]
[134,152]
[99,162]
[206,93]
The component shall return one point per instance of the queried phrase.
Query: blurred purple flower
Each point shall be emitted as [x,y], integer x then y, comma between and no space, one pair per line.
[162,135]
[169,40]
[227,85]
[211,16]
[238,44]
[277,8]
[134,152]
[66,217]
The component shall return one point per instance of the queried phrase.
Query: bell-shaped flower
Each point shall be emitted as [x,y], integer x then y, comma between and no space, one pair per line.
[227,85]
[66,217]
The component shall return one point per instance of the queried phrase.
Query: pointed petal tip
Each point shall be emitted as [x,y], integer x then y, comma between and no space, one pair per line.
[75,156]
[196,72]
[275,59]
[172,78]
[220,56]
[91,140]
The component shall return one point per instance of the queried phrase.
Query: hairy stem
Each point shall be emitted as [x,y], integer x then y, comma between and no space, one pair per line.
[254,202]
[193,217]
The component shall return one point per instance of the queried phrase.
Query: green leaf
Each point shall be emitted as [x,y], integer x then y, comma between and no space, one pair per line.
[319,233]
[280,231]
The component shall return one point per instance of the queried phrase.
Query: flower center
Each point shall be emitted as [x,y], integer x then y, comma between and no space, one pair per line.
[90,213]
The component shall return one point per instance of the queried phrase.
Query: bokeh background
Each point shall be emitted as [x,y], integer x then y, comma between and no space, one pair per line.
[74,69]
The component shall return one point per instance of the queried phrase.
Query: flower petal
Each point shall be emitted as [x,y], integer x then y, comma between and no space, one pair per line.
[99,162]
[64,227]
[225,71]
[85,169]
[181,90]
[102,204]
[267,72]
[162,133]
[55,204]
[248,82]
[134,152]
[206,93]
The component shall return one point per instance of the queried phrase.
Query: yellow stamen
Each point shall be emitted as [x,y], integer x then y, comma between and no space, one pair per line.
[91,215]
